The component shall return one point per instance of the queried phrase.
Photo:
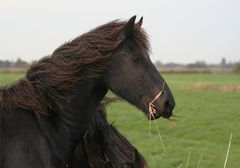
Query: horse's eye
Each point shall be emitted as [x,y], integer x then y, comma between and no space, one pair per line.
[136,59]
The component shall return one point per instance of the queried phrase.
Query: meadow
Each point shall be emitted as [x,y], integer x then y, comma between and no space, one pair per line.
[208,106]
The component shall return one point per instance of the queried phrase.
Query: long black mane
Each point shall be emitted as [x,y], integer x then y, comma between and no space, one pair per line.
[83,58]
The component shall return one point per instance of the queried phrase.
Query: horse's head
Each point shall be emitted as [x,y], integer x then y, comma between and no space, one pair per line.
[133,76]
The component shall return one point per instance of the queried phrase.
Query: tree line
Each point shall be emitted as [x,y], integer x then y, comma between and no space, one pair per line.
[19,63]
[198,64]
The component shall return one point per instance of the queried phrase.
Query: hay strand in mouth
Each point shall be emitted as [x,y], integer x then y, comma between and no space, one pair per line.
[151,107]
[152,110]
[159,135]
[150,126]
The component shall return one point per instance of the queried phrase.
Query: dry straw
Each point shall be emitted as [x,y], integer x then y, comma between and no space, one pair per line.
[152,110]
[229,145]
[151,107]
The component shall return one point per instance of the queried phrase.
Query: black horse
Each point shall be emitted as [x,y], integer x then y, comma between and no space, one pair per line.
[103,146]
[45,114]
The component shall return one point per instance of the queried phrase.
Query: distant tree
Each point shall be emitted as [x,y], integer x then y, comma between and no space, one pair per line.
[1,64]
[223,62]
[197,64]
[6,64]
[172,65]
[20,63]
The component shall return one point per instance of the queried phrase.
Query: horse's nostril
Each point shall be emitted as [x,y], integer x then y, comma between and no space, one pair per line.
[169,106]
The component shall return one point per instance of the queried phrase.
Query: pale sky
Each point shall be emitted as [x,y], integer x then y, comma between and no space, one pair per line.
[180,31]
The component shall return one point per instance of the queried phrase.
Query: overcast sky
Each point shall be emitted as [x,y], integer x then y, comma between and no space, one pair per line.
[180,31]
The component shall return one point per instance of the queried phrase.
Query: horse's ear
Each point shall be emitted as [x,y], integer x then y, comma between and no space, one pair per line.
[127,29]
[139,23]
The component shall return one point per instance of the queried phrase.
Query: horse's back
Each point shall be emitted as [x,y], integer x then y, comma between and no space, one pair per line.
[22,143]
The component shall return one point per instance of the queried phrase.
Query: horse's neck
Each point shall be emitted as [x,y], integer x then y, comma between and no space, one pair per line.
[73,119]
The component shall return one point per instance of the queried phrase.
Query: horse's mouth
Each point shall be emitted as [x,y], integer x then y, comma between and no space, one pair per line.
[154,113]
[164,107]
[153,116]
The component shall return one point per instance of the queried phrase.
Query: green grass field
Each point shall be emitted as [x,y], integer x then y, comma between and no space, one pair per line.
[201,136]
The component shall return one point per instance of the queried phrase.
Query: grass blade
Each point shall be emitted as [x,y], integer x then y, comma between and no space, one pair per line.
[200,160]
[189,154]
